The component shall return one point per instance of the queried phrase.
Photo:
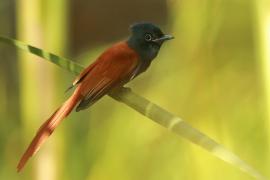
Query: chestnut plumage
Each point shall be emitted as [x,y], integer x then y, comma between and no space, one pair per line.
[113,68]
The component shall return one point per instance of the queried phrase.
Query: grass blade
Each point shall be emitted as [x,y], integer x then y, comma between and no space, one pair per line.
[150,110]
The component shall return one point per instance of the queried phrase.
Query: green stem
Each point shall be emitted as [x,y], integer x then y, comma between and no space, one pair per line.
[150,110]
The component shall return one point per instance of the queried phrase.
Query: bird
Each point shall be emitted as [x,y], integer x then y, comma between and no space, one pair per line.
[115,67]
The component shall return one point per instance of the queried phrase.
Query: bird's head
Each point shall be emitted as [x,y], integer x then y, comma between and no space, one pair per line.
[146,39]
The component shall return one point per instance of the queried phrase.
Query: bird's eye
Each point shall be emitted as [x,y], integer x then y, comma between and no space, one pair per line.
[148,37]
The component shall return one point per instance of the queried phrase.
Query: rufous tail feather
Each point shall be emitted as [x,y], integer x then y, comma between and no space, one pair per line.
[48,127]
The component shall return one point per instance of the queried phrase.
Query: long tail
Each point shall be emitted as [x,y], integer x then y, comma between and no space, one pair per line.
[48,127]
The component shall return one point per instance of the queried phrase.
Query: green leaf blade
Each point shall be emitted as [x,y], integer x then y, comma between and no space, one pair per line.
[150,110]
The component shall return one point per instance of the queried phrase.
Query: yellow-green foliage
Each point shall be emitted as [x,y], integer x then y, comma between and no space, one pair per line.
[213,75]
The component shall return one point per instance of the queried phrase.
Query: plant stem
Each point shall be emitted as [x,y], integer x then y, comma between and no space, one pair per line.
[150,110]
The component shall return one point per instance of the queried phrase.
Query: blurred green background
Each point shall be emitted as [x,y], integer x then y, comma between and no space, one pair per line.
[214,74]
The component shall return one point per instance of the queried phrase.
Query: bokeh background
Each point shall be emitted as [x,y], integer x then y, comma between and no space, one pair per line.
[214,74]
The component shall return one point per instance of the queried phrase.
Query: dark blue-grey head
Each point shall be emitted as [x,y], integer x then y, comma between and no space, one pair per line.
[146,39]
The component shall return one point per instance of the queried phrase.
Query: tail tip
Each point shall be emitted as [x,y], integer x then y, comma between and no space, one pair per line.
[19,168]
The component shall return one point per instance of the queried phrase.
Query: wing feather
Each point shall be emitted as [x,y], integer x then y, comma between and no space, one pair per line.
[113,68]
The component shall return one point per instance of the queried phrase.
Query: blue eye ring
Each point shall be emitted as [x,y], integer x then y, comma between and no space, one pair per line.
[148,37]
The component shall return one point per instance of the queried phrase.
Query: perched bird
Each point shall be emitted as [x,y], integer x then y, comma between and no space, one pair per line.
[113,68]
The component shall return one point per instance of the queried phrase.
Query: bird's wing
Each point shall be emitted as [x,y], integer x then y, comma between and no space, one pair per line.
[95,93]
[81,76]
[112,68]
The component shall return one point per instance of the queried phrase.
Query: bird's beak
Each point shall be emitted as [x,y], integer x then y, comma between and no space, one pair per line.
[164,38]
